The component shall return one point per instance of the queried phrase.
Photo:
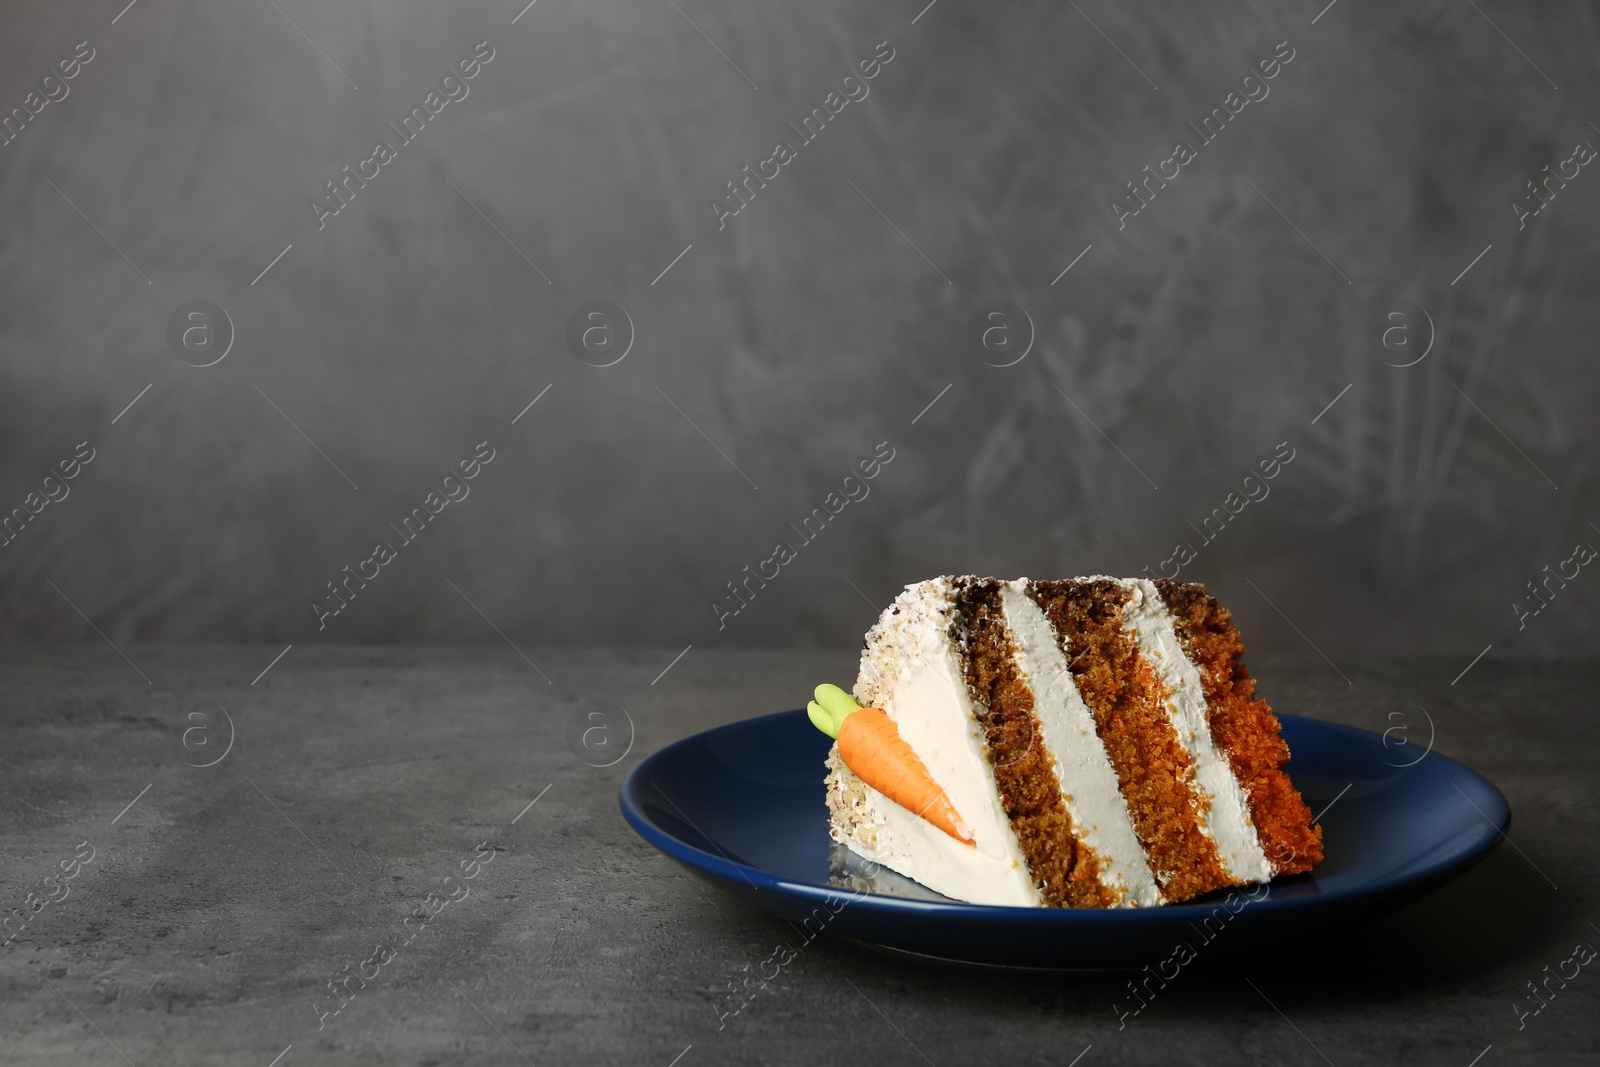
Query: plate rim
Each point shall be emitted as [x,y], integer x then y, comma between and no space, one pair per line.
[1497,823]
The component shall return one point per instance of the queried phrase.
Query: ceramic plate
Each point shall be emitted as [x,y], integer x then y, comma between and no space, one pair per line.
[742,807]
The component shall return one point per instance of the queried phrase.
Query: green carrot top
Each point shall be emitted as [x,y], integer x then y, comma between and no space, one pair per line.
[829,710]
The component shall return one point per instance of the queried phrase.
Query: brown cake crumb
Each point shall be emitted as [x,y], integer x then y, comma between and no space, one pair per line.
[1244,727]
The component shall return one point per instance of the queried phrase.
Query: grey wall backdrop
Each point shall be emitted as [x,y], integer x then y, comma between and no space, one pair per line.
[1303,253]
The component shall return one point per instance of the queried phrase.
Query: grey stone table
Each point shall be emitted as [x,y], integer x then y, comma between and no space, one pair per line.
[210,906]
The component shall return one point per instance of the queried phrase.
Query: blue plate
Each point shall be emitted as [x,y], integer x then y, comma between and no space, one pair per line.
[742,807]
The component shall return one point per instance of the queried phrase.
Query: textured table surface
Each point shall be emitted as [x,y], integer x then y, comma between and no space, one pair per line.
[212,912]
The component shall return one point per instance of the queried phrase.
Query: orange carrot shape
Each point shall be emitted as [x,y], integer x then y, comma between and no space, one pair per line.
[871,746]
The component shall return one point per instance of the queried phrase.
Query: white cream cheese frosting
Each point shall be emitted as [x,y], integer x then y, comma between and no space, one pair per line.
[876,828]
[911,669]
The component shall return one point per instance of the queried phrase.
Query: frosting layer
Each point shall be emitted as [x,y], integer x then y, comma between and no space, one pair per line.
[912,669]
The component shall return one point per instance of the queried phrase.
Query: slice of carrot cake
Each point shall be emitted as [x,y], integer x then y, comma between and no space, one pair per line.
[1090,742]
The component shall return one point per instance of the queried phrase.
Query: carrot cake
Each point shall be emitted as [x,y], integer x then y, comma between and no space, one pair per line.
[1087,743]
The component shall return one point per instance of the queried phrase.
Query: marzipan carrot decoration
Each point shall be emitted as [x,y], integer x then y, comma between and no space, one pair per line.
[870,745]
